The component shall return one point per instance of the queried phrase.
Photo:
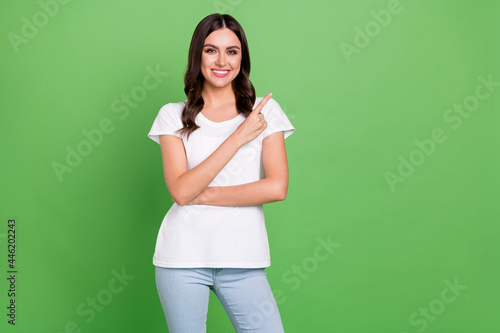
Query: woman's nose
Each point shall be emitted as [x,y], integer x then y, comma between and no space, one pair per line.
[221,59]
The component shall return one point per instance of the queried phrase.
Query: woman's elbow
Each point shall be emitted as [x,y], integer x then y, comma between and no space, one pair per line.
[179,202]
[281,191]
[178,197]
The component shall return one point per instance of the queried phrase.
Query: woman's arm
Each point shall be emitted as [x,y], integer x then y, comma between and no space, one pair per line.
[270,189]
[185,185]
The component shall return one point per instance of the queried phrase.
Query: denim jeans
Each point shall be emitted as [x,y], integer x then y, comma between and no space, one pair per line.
[244,293]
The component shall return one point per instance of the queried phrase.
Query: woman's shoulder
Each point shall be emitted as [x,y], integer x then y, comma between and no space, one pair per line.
[173,108]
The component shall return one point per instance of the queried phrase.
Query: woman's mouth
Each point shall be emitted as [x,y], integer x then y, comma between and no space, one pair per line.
[219,73]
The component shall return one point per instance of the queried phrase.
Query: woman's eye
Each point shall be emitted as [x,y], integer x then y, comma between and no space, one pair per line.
[232,52]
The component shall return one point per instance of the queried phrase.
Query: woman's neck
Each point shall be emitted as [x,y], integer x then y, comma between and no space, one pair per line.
[214,97]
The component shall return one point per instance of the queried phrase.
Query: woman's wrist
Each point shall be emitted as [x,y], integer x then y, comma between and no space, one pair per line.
[235,138]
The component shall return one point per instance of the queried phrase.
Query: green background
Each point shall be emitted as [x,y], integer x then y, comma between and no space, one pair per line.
[398,246]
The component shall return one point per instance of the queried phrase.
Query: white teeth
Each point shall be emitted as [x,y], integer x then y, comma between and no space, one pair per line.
[220,72]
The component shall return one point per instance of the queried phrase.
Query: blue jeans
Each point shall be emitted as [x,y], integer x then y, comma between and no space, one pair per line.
[244,293]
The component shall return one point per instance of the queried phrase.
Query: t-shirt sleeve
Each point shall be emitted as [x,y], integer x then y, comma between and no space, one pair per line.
[276,119]
[168,121]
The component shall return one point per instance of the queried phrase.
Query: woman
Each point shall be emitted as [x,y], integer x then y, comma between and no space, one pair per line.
[223,156]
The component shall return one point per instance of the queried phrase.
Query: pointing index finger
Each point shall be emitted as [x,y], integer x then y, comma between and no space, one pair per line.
[262,103]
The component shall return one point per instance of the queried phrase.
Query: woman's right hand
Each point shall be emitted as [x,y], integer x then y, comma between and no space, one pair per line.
[254,124]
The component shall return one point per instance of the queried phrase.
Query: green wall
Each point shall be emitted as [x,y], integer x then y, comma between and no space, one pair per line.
[391,223]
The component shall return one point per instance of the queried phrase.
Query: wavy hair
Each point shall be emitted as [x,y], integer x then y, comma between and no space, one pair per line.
[193,79]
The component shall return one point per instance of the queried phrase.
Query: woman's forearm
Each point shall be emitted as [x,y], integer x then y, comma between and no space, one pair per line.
[191,183]
[270,189]
[184,185]
[255,193]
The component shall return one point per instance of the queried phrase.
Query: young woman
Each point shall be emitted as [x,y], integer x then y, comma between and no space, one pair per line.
[223,154]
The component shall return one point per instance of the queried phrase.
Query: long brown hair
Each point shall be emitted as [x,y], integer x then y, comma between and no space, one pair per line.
[193,79]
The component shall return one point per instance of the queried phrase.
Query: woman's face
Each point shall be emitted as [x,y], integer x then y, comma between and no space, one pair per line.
[221,58]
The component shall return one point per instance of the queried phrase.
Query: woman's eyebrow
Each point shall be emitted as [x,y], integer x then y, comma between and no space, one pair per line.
[215,47]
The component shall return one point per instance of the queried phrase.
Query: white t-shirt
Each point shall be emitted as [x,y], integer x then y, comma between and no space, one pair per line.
[215,236]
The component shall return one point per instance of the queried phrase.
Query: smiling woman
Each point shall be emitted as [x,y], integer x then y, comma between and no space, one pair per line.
[220,65]
[224,156]
[218,44]
[222,60]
